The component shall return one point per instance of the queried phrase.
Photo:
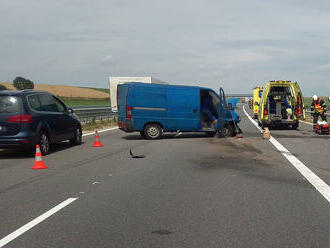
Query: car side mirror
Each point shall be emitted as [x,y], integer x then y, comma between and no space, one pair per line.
[70,110]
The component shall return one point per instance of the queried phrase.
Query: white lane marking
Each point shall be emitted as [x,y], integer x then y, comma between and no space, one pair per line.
[306,122]
[105,130]
[253,121]
[317,182]
[35,222]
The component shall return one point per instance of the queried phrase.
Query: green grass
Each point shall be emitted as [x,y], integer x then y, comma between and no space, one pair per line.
[99,125]
[105,90]
[81,102]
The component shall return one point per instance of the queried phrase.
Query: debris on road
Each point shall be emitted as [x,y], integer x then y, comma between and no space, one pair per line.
[266,133]
[135,156]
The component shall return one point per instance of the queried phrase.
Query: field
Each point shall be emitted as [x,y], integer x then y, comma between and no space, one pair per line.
[81,102]
[74,96]
[67,91]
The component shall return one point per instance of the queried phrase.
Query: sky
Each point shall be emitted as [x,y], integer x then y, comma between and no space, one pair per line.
[235,44]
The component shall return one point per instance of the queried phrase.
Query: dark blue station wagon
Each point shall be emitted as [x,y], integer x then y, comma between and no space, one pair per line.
[30,117]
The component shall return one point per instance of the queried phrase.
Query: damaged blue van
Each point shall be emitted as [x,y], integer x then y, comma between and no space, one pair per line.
[153,109]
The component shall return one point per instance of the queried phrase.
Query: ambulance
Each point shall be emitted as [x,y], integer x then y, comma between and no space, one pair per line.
[282,104]
[257,94]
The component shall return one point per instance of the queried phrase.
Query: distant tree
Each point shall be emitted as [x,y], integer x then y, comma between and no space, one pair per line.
[21,83]
[2,87]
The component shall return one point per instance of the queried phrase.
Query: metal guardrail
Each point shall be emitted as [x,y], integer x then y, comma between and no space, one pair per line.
[87,114]
[239,95]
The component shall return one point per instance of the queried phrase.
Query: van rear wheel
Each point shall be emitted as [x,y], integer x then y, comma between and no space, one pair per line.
[153,131]
[210,134]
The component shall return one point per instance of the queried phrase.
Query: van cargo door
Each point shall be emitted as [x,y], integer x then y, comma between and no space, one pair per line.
[263,102]
[299,110]
[222,110]
[183,111]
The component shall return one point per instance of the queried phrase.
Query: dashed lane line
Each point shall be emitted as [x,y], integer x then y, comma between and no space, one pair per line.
[317,182]
[35,222]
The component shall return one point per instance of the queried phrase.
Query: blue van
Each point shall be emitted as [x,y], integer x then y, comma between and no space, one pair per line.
[153,109]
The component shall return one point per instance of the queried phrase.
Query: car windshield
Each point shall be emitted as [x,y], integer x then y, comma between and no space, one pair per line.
[10,104]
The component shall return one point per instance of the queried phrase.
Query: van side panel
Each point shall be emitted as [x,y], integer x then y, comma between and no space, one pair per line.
[148,103]
[183,111]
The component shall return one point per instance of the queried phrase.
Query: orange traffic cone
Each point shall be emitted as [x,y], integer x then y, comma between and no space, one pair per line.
[38,163]
[97,142]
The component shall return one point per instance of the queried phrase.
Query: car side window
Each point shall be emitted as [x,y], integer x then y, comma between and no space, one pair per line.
[34,102]
[60,106]
[48,103]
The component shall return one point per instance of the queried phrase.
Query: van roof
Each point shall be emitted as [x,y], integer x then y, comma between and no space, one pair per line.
[164,85]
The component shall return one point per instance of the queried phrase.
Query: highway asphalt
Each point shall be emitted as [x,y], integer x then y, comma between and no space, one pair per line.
[189,191]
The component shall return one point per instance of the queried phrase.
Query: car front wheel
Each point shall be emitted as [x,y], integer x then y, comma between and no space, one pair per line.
[77,137]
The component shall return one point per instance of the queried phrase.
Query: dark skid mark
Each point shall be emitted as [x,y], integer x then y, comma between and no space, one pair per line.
[135,156]
[162,232]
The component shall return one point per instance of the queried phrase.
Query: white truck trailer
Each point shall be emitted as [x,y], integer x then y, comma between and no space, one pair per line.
[114,81]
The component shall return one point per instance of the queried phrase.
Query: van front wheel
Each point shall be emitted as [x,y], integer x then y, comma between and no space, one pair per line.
[153,131]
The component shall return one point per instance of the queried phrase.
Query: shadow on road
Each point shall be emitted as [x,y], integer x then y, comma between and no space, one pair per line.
[168,136]
[29,152]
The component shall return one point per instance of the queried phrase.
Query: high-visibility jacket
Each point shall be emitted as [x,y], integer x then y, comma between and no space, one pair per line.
[318,105]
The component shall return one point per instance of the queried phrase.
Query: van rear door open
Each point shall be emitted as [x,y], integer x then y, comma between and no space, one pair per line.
[222,110]
[299,110]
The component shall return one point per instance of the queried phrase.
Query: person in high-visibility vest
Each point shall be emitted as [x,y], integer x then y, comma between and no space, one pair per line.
[318,109]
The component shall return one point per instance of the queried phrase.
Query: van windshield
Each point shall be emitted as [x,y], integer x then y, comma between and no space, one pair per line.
[10,104]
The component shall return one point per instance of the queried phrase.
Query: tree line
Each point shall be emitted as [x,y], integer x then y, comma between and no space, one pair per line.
[20,83]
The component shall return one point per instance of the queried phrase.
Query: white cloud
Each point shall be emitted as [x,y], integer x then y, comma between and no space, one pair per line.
[325,67]
[180,41]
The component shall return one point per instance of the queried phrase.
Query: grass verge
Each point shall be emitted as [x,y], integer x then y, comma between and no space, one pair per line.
[99,124]
[81,102]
